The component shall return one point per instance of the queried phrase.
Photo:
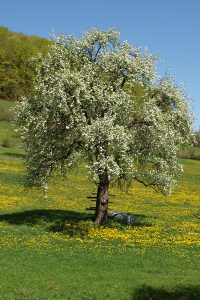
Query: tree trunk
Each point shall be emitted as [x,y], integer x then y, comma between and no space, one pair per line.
[102,202]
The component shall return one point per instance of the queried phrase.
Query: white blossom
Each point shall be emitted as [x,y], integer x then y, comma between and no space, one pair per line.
[99,97]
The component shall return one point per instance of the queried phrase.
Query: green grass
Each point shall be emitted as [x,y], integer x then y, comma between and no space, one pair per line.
[50,248]
[8,137]
[5,110]
[85,275]
[5,104]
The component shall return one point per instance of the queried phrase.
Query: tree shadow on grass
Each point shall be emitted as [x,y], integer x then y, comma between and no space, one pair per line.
[45,216]
[55,220]
[14,154]
[178,293]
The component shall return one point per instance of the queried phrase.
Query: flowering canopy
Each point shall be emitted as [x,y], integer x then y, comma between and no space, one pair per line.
[101,97]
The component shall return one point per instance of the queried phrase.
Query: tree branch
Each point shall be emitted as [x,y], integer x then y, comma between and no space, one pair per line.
[138,122]
[141,181]
[95,58]
[144,183]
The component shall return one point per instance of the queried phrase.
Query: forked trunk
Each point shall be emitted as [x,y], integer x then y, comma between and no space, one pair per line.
[102,202]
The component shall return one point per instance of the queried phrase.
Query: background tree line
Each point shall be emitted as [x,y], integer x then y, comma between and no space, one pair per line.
[17,70]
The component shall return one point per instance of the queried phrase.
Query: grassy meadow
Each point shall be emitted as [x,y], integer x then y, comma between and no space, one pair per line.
[50,248]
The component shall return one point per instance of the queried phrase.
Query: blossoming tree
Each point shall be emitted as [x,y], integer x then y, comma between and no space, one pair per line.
[99,97]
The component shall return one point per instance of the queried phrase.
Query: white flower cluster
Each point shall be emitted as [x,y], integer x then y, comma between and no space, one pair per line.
[102,98]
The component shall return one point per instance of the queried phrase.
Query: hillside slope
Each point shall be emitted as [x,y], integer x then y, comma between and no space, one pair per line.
[16,71]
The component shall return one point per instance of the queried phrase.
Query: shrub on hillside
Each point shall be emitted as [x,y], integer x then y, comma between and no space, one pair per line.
[197,139]
[5,143]
[192,153]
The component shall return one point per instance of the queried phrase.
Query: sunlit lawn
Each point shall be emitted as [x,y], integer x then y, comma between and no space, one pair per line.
[50,248]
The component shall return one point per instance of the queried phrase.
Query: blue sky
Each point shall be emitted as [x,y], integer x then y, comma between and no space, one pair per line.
[170,29]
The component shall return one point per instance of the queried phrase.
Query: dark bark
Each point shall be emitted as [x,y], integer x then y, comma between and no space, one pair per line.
[102,201]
